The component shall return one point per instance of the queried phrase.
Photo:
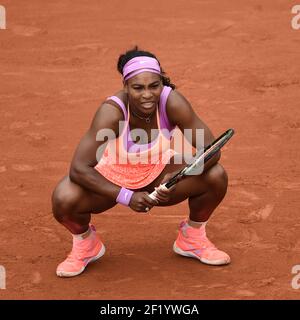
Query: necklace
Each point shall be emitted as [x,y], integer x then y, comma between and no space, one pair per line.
[147,119]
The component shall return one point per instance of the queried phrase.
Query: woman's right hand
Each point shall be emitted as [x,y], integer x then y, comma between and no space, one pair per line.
[141,202]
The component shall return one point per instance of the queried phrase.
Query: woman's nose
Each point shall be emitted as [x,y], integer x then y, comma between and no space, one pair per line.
[147,94]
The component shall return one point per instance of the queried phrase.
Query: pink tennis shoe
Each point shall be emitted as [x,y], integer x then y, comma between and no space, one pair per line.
[193,242]
[84,251]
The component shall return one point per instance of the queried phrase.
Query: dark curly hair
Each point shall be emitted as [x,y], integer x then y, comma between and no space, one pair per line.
[135,52]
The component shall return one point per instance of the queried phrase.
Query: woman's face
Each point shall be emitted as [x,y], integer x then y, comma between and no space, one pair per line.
[144,91]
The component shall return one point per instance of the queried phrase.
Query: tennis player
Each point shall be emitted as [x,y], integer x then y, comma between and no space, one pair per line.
[148,100]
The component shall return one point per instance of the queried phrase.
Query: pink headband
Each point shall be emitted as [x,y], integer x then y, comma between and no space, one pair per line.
[140,64]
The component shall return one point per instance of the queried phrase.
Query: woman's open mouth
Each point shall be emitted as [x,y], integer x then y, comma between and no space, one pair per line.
[148,105]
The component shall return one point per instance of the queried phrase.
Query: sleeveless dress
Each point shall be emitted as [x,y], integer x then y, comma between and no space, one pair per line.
[132,165]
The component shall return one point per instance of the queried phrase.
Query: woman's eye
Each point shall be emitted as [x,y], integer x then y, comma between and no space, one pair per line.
[152,87]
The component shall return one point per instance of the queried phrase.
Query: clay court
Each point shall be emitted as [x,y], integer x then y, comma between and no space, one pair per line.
[237,62]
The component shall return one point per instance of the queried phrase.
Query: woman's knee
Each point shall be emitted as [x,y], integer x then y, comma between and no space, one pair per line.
[217,180]
[64,199]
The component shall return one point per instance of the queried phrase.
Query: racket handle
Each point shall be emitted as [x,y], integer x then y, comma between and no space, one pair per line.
[154,193]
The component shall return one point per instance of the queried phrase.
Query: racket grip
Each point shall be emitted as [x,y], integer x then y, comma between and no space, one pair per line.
[154,193]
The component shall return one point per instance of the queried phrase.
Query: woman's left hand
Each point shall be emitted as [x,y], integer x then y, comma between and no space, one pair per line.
[164,194]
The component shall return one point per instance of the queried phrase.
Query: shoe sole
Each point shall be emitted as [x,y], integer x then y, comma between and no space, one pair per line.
[76,273]
[193,255]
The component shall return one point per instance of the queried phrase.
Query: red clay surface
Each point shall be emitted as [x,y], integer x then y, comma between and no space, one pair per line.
[237,63]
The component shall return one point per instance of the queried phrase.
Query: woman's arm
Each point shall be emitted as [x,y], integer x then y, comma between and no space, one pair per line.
[82,170]
[181,113]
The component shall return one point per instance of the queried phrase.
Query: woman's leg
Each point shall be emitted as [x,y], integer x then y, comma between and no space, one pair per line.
[204,193]
[72,205]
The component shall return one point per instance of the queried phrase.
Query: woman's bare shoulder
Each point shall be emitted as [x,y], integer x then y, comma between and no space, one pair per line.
[109,105]
[177,107]
[121,95]
[176,98]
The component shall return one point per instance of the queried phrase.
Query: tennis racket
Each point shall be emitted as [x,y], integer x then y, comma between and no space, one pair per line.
[191,168]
